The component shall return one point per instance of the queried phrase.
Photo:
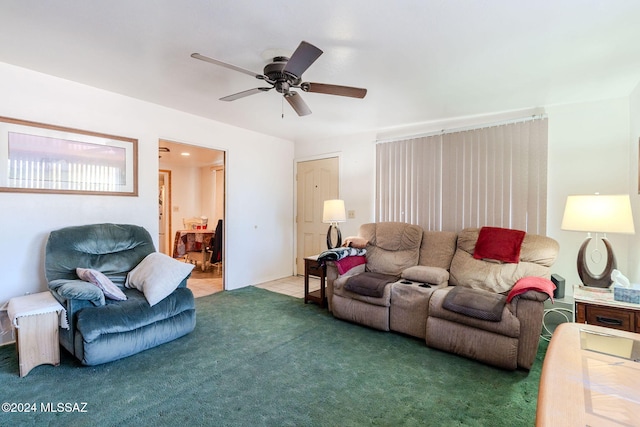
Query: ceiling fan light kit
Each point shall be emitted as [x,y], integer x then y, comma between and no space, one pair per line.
[284,74]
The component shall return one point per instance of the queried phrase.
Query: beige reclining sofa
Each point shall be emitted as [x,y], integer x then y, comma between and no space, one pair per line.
[413,271]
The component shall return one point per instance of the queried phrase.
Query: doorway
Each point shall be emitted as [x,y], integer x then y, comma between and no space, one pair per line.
[191,186]
[164,211]
[317,181]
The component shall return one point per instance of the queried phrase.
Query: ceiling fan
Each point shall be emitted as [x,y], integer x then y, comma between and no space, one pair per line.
[284,74]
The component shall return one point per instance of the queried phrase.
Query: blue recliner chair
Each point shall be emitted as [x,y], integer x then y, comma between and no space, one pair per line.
[102,330]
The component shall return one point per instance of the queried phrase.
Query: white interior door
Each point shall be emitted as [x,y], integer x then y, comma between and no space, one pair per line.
[317,181]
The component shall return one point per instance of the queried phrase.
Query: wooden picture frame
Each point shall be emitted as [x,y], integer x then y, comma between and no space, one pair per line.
[42,158]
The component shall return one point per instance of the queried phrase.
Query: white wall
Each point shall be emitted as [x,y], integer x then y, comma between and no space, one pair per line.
[633,267]
[588,152]
[260,196]
[208,194]
[219,196]
[186,198]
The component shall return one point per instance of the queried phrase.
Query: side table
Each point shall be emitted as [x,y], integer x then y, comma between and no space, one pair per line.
[35,318]
[312,267]
[597,307]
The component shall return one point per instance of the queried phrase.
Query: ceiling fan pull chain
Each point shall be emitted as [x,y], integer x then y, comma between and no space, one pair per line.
[282,106]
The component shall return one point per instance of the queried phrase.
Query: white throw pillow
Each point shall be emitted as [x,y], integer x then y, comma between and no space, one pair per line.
[157,276]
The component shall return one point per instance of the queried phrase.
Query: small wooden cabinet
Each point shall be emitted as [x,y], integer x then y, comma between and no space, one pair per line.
[600,309]
[312,267]
[37,341]
[35,317]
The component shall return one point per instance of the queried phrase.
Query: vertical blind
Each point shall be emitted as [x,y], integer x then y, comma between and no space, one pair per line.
[494,176]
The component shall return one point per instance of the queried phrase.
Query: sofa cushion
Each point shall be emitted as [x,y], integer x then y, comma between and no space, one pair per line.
[536,255]
[499,278]
[122,316]
[437,248]
[393,246]
[541,250]
[535,248]
[425,274]
[157,276]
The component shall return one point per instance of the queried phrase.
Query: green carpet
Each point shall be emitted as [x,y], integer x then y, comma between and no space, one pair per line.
[261,358]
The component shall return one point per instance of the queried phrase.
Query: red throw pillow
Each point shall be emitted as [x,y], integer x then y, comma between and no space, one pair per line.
[501,244]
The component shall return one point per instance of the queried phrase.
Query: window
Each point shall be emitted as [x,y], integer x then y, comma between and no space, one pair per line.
[495,176]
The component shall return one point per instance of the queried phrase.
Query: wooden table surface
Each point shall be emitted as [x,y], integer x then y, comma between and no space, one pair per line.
[581,387]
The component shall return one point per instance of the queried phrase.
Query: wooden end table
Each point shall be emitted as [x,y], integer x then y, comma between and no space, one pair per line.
[312,267]
[36,323]
[597,307]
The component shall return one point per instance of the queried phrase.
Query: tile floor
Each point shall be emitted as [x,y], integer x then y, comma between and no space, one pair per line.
[209,282]
[203,287]
[293,285]
[204,283]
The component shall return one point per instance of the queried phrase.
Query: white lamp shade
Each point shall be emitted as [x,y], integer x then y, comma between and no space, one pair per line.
[333,211]
[599,214]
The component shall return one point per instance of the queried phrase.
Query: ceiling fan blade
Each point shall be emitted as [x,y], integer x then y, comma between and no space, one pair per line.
[297,103]
[353,92]
[301,59]
[245,93]
[229,66]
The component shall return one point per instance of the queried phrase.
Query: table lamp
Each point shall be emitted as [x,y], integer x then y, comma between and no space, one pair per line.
[598,214]
[333,213]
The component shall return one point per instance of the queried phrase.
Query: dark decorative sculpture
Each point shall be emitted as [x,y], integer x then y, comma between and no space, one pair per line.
[602,280]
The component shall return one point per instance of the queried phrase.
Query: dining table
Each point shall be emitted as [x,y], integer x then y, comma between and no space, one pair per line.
[193,241]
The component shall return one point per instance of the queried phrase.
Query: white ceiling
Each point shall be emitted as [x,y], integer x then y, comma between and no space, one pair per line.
[173,154]
[421,60]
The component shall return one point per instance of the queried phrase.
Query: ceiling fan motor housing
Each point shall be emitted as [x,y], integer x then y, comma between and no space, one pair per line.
[282,81]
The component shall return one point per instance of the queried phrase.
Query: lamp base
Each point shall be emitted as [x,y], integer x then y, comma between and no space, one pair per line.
[602,280]
[339,235]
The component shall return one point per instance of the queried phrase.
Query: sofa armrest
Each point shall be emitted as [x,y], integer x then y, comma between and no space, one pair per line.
[426,274]
[531,296]
[528,307]
[534,296]
[77,290]
[332,275]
